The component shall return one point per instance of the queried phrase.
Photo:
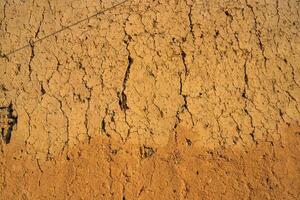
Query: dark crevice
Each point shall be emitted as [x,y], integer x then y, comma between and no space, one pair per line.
[228,14]
[43,91]
[216,33]
[40,24]
[7,121]
[146,151]
[2,55]
[103,128]
[103,125]
[178,120]
[191,22]
[188,141]
[122,95]
[252,134]
[31,58]
[183,57]
[246,86]
[184,106]
[3,88]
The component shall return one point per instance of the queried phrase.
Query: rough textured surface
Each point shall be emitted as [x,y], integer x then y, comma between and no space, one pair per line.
[170,99]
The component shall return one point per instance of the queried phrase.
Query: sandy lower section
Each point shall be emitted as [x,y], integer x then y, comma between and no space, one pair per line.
[104,169]
[154,99]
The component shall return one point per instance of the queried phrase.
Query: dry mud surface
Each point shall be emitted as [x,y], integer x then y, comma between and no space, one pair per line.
[154,99]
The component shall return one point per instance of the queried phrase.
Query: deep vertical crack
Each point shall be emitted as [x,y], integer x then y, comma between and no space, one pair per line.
[184,106]
[247,100]
[183,58]
[88,101]
[191,25]
[258,33]
[32,54]
[252,133]
[244,94]
[40,24]
[122,95]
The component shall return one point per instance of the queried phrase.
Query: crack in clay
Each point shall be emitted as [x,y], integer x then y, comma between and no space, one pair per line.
[191,25]
[122,95]
[7,122]
[4,13]
[88,103]
[246,84]
[40,24]
[30,60]
[183,107]
[258,34]
[183,57]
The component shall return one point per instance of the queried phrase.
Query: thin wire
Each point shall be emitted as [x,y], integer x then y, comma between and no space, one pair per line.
[64,28]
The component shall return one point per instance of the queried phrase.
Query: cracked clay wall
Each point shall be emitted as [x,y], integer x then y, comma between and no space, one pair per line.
[225,72]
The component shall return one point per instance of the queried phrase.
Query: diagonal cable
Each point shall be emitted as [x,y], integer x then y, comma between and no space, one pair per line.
[64,28]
